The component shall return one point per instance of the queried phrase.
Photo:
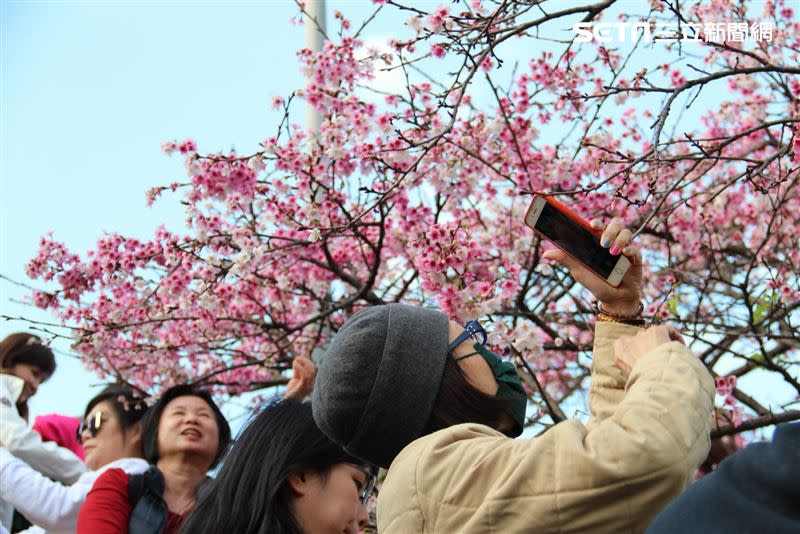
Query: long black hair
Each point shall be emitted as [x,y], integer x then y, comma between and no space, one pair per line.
[249,495]
[153,417]
[22,347]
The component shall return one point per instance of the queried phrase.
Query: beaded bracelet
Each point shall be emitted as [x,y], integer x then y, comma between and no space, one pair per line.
[634,319]
[602,318]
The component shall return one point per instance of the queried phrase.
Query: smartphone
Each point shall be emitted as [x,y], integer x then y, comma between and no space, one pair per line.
[571,233]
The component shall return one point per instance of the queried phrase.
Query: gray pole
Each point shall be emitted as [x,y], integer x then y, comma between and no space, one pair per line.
[314,40]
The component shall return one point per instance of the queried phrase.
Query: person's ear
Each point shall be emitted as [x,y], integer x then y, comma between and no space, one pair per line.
[133,438]
[299,482]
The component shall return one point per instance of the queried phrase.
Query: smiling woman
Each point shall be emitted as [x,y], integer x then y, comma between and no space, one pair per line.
[25,357]
[284,476]
[184,435]
[110,427]
[112,440]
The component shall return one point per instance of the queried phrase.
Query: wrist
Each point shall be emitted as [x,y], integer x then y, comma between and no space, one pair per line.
[628,308]
[622,313]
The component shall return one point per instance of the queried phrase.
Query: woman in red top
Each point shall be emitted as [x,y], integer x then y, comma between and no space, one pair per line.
[184,435]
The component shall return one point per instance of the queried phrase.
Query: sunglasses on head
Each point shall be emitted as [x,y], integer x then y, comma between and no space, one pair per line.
[370,479]
[92,424]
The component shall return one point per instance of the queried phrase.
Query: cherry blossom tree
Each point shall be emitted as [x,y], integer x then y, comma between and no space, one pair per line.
[417,194]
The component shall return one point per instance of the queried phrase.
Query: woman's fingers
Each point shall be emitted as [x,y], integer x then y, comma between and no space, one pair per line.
[614,236]
[598,224]
[306,368]
[302,364]
[611,232]
[618,239]
[663,333]
[675,335]
[622,240]
[630,349]
[576,268]
[633,253]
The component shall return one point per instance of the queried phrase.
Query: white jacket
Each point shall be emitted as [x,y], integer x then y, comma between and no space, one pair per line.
[49,505]
[26,444]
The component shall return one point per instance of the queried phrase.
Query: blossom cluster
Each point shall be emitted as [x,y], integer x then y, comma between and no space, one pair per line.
[420,196]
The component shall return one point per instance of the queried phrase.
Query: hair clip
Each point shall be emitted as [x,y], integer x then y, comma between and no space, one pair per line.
[123,400]
[34,340]
[128,404]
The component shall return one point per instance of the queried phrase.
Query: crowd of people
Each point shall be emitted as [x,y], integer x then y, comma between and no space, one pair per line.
[409,396]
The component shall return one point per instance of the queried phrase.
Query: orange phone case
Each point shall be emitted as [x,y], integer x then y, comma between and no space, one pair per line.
[563,208]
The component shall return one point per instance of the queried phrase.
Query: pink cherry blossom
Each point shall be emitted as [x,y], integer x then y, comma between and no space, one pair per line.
[418,194]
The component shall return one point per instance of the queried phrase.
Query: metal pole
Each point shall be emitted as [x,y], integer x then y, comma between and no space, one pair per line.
[314,40]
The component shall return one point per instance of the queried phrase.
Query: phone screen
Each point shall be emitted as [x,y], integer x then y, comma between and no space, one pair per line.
[576,240]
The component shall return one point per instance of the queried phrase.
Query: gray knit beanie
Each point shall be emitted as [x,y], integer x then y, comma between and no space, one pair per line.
[377,383]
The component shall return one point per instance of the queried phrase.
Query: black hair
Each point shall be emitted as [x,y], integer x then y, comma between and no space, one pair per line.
[249,494]
[153,417]
[26,348]
[22,347]
[458,402]
[129,407]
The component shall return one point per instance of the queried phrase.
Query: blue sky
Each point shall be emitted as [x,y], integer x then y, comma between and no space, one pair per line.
[89,92]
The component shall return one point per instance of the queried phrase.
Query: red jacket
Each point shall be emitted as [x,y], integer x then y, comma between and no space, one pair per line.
[107,510]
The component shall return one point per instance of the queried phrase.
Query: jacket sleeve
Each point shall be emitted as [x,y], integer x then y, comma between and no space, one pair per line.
[646,450]
[106,509]
[45,503]
[26,444]
[614,475]
[608,383]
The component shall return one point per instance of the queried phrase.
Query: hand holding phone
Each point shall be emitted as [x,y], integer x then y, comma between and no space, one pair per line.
[614,279]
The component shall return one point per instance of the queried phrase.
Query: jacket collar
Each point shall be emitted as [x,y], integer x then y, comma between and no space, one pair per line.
[10,386]
[131,466]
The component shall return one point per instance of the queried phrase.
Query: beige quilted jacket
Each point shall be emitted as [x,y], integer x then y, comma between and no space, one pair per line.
[639,450]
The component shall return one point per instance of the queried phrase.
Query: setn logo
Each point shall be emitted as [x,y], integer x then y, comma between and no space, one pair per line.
[717,32]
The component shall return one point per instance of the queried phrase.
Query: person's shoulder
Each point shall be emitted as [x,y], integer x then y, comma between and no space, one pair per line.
[455,433]
[462,432]
[774,460]
[453,442]
[56,419]
[131,466]
[113,477]
[471,445]
[10,389]
[787,436]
